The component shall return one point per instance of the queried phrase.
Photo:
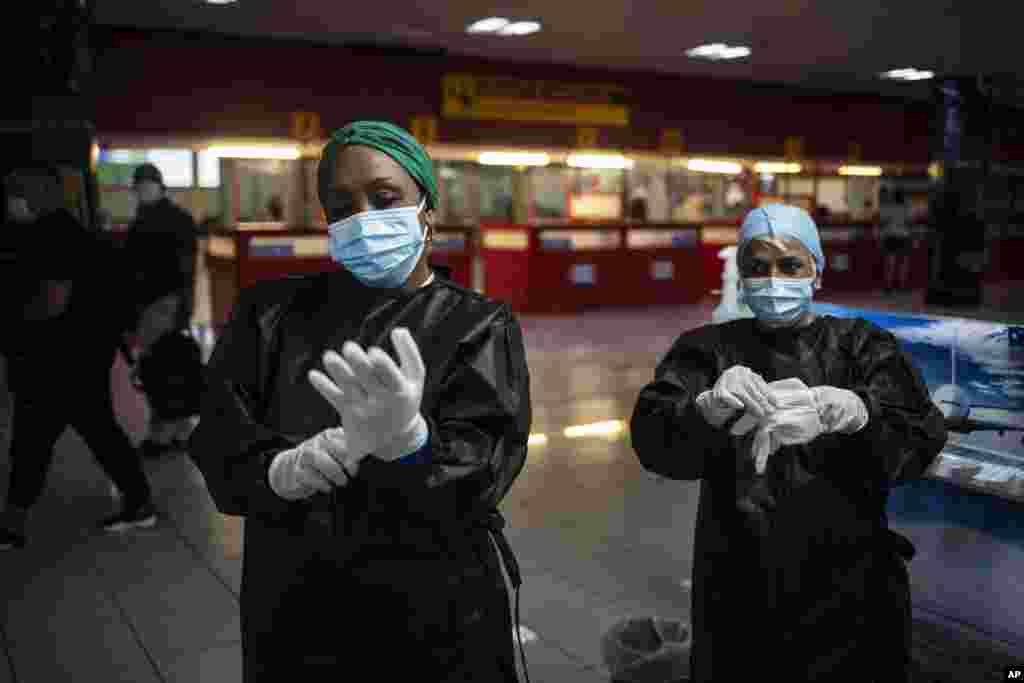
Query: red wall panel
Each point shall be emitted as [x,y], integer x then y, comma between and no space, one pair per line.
[167,83]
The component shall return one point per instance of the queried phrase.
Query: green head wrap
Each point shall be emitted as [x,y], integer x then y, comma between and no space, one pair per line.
[393,141]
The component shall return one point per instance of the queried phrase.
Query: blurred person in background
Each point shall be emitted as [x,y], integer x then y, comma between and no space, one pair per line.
[366,422]
[275,209]
[160,249]
[894,223]
[61,334]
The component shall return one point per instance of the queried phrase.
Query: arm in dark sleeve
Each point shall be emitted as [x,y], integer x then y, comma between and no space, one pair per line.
[669,435]
[230,446]
[479,428]
[905,428]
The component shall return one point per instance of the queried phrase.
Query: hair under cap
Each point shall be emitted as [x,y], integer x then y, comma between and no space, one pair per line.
[388,138]
[782,220]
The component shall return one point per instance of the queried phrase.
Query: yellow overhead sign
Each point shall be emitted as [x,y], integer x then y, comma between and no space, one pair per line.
[489,98]
[424,129]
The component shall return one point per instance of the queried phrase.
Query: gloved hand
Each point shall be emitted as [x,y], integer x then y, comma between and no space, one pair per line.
[314,465]
[795,421]
[841,410]
[379,402]
[738,388]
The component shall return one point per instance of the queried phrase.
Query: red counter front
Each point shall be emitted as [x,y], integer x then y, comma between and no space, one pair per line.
[853,257]
[570,268]
[237,259]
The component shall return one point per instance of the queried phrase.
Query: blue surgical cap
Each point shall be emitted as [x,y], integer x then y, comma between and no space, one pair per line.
[781,220]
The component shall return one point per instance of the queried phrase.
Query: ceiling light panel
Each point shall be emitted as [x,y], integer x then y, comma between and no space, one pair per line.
[719,52]
[520,28]
[488,25]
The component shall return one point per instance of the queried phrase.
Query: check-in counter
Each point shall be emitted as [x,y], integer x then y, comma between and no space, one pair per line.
[853,257]
[568,268]
[239,258]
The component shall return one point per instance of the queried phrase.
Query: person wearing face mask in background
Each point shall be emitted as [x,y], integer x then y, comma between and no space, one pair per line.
[60,338]
[795,566]
[367,422]
[160,250]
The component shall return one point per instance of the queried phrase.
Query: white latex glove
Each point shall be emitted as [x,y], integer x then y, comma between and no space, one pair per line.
[715,413]
[794,421]
[762,447]
[741,388]
[841,410]
[315,465]
[379,402]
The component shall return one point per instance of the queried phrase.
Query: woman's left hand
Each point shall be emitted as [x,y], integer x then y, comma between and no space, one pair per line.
[378,400]
[840,410]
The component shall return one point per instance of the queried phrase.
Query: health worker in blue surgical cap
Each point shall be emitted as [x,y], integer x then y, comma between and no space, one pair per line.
[794,564]
[366,422]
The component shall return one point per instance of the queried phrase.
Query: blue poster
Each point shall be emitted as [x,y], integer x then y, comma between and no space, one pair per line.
[974,370]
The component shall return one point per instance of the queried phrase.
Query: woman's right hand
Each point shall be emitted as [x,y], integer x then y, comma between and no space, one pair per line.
[317,465]
[740,388]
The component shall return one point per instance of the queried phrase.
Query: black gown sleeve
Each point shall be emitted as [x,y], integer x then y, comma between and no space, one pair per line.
[479,428]
[905,429]
[230,445]
[669,434]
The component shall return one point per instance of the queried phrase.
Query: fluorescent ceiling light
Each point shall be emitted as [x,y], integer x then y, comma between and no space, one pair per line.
[514,159]
[254,151]
[711,166]
[719,51]
[908,75]
[609,428]
[220,2]
[537,440]
[599,161]
[489,25]
[520,28]
[860,170]
[766,167]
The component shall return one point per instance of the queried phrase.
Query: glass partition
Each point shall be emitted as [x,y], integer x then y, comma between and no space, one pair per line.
[497,192]
[647,192]
[549,192]
[263,190]
[115,167]
[696,197]
[459,187]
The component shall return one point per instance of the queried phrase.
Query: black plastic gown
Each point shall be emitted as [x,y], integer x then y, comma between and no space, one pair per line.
[397,571]
[796,576]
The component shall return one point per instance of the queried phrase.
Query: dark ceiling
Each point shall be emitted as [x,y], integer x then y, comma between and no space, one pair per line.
[835,45]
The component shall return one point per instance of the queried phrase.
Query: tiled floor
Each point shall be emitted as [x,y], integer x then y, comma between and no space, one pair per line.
[598,538]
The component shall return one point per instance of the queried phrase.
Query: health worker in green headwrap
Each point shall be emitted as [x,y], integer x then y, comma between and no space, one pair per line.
[366,422]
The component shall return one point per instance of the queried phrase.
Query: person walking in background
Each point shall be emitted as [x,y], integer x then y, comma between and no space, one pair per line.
[62,329]
[894,220]
[160,249]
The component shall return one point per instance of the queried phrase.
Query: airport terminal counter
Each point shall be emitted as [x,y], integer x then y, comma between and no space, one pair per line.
[238,258]
[567,268]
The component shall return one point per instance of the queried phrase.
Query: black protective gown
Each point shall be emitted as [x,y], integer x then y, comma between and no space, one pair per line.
[796,576]
[397,571]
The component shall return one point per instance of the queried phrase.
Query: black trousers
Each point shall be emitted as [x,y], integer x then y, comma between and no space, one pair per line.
[45,404]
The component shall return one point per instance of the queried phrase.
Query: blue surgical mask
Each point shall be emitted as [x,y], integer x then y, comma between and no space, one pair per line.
[778,301]
[380,247]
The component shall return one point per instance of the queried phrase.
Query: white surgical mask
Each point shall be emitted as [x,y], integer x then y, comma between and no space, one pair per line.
[379,247]
[778,301]
[149,191]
